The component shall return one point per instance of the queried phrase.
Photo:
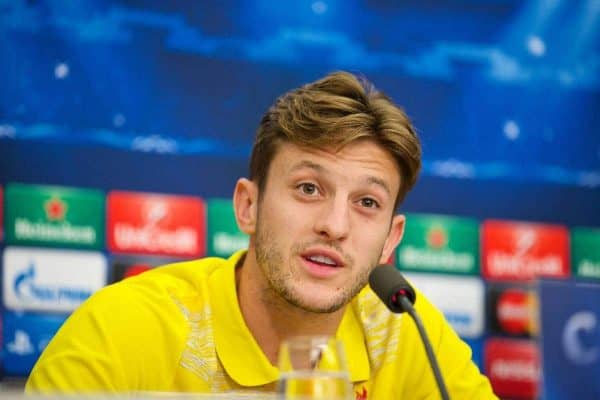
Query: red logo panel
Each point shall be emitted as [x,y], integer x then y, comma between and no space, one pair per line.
[521,251]
[513,367]
[156,224]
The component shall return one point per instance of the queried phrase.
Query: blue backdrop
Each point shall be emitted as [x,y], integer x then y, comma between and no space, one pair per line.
[165,96]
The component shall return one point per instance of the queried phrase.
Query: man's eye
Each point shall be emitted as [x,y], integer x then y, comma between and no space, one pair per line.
[308,188]
[369,203]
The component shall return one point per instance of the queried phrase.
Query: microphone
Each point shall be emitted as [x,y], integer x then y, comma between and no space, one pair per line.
[398,296]
[390,286]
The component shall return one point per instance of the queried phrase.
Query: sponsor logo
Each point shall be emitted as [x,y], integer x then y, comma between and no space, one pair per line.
[56,209]
[512,310]
[28,290]
[514,370]
[518,251]
[437,237]
[65,232]
[227,243]
[588,269]
[54,215]
[21,344]
[441,260]
[576,350]
[152,224]
[461,300]
[50,280]
[436,243]
[570,324]
[586,252]
[225,236]
[26,336]
[362,395]
[513,367]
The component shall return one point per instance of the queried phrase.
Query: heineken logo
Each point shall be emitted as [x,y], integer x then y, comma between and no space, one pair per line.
[439,243]
[54,215]
[437,237]
[56,229]
[48,232]
[589,268]
[56,209]
[586,252]
[420,258]
[229,243]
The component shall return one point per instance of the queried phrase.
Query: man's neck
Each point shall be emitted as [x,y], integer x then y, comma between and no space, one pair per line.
[270,318]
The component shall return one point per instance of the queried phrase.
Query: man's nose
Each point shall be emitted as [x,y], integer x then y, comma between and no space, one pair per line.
[334,219]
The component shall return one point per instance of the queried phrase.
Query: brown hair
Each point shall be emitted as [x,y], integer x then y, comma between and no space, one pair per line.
[332,112]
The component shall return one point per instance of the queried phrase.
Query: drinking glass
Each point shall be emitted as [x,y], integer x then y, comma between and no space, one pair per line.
[313,367]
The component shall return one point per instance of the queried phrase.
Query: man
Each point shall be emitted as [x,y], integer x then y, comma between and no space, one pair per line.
[331,162]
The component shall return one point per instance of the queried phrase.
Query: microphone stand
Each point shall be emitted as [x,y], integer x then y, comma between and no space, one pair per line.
[408,307]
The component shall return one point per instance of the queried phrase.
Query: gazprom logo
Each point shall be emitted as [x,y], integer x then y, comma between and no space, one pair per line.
[28,290]
[49,279]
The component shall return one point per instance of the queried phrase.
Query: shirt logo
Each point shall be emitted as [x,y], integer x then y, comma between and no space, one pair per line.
[362,395]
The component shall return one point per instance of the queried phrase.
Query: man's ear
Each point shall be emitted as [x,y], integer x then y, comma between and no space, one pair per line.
[393,239]
[245,204]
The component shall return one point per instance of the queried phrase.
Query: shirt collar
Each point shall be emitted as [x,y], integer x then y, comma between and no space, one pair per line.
[242,357]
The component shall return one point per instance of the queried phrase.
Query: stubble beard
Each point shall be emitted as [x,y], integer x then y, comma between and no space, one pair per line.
[270,260]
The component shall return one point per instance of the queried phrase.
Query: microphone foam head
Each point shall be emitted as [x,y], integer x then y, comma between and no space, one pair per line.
[388,283]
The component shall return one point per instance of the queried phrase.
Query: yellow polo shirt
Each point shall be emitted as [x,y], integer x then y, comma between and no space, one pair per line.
[179,328]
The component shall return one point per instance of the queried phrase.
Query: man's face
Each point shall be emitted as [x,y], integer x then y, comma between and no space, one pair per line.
[324,221]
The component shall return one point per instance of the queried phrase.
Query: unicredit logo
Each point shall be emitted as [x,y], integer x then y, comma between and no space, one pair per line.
[501,263]
[26,289]
[154,239]
[519,261]
[155,224]
[519,251]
